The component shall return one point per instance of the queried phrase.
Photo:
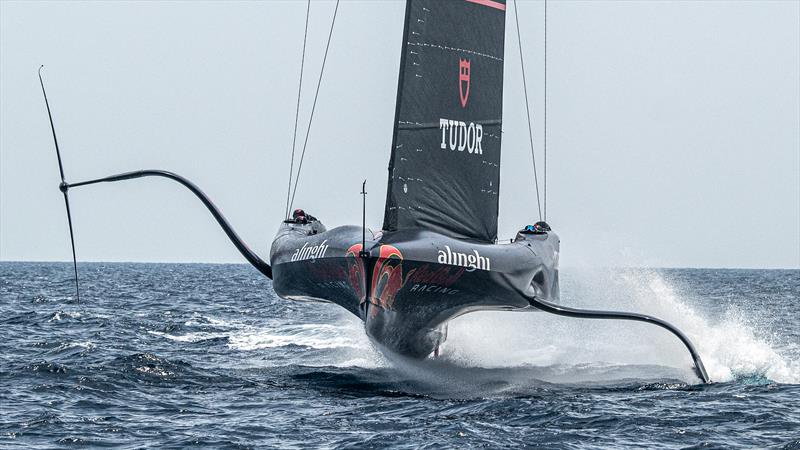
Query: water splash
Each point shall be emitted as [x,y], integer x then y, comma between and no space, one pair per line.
[545,347]
[731,348]
[339,341]
[310,335]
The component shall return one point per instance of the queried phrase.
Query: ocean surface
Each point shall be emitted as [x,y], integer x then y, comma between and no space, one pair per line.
[178,355]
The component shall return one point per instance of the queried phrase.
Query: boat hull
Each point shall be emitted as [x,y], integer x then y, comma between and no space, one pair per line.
[409,284]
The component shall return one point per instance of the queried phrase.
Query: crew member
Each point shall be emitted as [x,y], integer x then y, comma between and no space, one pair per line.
[537,228]
[300,216]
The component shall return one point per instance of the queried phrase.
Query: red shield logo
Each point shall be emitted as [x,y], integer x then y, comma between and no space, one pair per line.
[463,81]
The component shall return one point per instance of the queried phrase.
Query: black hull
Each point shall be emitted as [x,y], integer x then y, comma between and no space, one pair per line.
[412,282]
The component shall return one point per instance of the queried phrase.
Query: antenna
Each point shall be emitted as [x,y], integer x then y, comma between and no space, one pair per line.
[63,186]
[364,253]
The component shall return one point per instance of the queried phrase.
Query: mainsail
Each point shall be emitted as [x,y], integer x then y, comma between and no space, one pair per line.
[444,171]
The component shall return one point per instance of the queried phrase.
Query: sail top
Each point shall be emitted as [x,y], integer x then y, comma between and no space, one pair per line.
[444,171]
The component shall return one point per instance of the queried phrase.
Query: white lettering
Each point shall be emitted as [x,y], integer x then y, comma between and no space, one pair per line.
[432,288]
[471,138]
[443,127]
[471,261]
[462,136]
[468,260]
[479,136]
[461,259]
[310,252]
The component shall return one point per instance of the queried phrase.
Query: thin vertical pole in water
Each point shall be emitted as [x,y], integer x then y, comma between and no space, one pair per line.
[363,253]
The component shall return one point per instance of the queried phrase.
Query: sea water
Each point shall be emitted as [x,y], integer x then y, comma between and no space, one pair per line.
[174,355]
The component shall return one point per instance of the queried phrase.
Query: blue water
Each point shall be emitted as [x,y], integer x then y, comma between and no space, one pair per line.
[167,355]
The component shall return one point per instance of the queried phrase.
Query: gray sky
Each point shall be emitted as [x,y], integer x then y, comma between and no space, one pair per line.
[674,127]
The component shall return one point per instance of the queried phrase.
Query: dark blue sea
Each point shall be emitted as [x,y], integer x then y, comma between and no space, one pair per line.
[180,355]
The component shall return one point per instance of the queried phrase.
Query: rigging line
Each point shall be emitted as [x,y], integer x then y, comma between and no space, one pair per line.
[297,110]
[313,107]
[545,110]
[528,110]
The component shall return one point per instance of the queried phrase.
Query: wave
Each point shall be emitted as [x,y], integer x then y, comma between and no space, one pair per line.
[64,315]
[311,335]
[193,337]
[340,342]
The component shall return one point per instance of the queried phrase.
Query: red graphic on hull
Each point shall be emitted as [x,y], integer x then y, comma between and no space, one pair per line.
[463,81]
[387,276]
[355,271]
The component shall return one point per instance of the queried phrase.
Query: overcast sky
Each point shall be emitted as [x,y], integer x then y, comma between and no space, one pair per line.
[673,127]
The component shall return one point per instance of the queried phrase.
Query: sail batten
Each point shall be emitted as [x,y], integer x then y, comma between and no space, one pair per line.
[444,171]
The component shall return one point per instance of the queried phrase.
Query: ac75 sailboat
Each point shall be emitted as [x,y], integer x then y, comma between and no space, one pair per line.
[437,255]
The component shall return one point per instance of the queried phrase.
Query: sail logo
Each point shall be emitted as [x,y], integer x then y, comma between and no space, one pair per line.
[311,252]
[471,261]
[457,135]
[463,81]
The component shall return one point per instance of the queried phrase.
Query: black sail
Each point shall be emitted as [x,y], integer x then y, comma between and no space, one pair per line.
[444,171]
